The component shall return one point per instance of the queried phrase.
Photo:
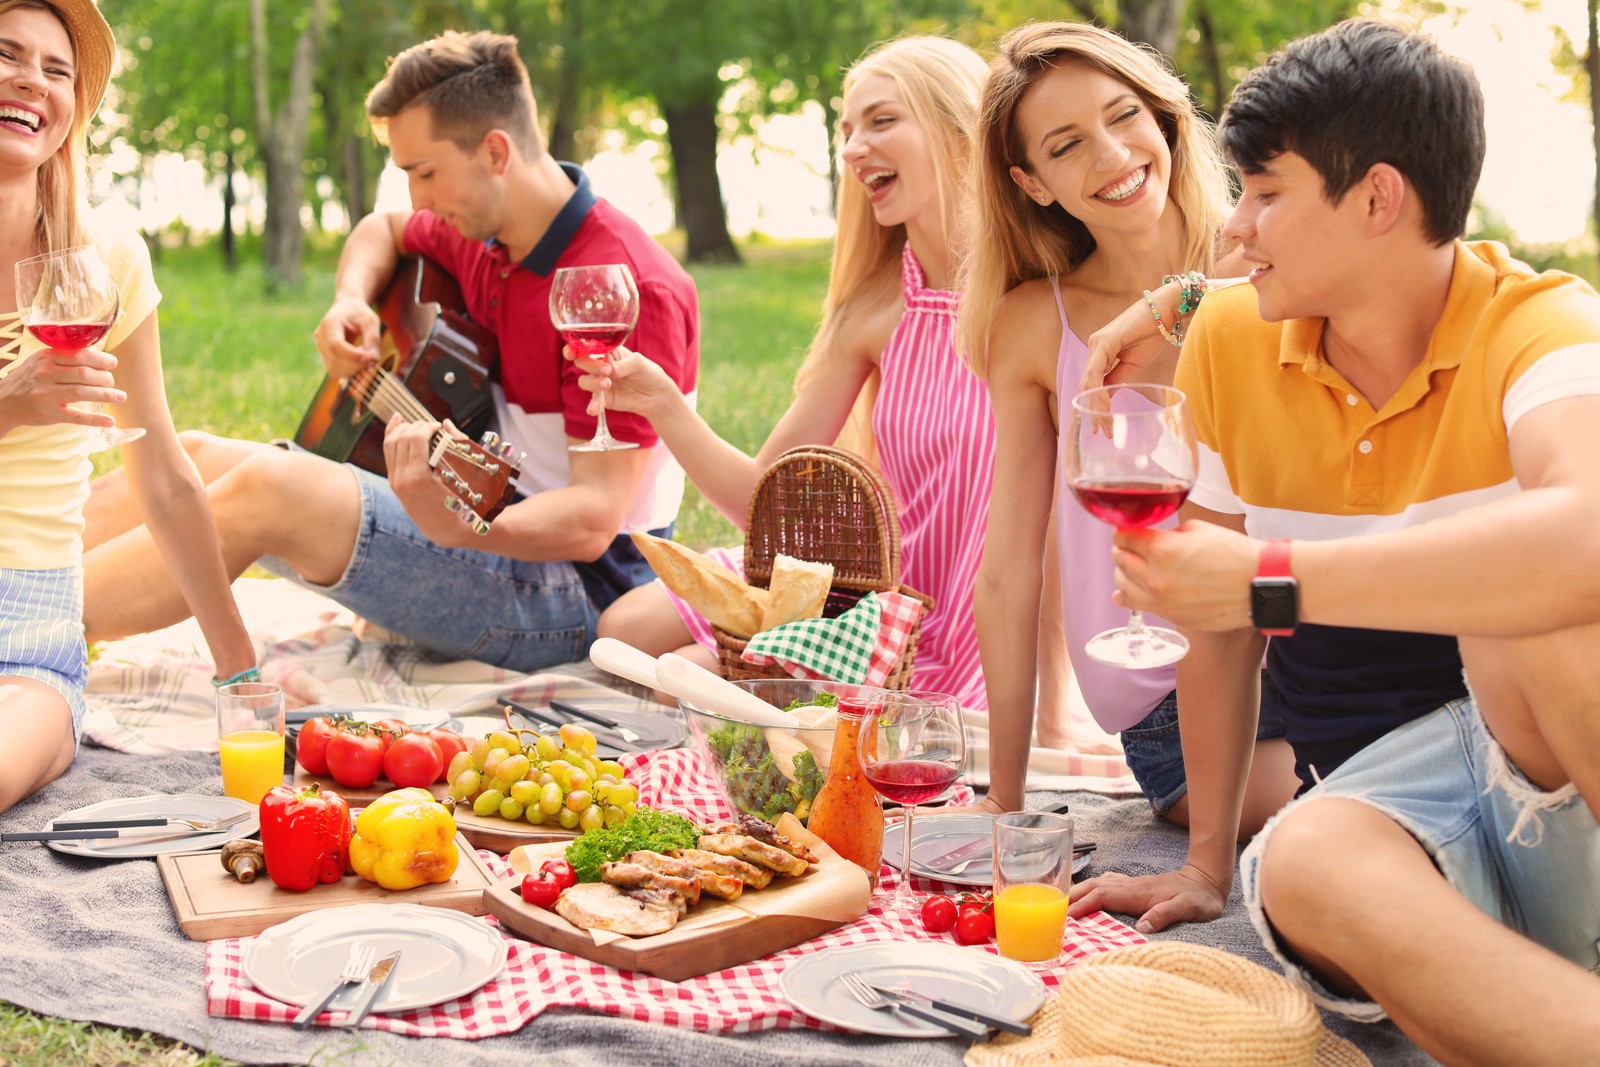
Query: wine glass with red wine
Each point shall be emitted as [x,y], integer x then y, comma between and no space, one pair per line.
[68,300]
[1130,460]
[912,747]
[594,309]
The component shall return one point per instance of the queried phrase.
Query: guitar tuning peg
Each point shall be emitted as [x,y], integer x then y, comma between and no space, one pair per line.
[492,469]
[466,516]
[477,498]
[506,449]
[490,438]
[452,504]
[479,527]
[522,457]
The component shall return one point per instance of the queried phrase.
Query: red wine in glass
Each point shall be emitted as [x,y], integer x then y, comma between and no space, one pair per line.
[912,781]
[594,340]
[1130,504]
[594,307]
[1130,458]
[69,337]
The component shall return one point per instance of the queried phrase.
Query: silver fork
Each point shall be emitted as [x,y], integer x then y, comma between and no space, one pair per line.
[877,1001]
[355,970]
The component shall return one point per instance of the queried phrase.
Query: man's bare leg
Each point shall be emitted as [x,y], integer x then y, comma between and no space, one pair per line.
[112,510]
[298,507]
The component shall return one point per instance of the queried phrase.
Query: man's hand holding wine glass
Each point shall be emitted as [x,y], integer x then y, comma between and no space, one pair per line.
[1197,576]
[40,390]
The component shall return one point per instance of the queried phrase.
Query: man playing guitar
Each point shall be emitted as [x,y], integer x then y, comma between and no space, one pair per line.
[494,210]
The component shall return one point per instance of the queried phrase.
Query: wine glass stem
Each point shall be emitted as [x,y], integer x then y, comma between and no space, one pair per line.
[903,892]
[600,430]
[1135,621]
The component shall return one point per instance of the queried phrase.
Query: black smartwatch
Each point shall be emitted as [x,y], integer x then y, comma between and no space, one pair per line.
[1274,594]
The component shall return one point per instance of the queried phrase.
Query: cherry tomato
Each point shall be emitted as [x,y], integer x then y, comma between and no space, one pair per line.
[413,760]
[938,914]
[561,871]
[311,747]
[355,759]
[974,927]
[449,743]
[540,889]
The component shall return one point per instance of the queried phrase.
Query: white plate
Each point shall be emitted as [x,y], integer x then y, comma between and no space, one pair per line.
[934,835]
[416,718]
[969,976]
[444,954]
[182,806]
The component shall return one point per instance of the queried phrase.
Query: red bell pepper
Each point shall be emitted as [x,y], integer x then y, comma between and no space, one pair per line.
[305,835]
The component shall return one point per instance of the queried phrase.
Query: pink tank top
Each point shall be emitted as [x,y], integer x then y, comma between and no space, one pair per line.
[935,435]
[1117,698]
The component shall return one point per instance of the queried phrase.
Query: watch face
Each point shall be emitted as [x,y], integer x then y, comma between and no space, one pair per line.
[1274,604]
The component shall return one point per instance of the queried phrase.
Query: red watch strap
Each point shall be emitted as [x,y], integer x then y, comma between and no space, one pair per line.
[1274,560]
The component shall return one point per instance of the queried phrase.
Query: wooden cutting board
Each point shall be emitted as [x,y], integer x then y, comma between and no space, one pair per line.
[211,904]
[493,833]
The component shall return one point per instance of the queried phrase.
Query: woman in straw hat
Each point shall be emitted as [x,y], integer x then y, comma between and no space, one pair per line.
[1095,177]
[55,62]
[883,367]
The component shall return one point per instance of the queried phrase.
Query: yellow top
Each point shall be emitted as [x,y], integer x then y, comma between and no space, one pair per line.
[44,470]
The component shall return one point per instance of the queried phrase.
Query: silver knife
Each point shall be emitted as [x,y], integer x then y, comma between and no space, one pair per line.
[953,1008]
[377,978]
[120,833]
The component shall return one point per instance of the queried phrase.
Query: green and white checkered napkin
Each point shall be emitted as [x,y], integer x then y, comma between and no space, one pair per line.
[861,646]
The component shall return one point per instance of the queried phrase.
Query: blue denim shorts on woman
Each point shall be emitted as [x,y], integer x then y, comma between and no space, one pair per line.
[1527,858]
[1154,752]
[41,632]
[458,603]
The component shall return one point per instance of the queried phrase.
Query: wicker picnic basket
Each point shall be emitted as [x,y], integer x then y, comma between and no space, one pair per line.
[824,505]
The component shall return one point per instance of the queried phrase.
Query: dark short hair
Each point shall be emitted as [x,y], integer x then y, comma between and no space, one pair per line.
[472,83]
[1364,92]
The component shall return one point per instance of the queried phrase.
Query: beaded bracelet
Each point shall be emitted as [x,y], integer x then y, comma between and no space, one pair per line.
[1194,287]
[249,674]
[1174,337]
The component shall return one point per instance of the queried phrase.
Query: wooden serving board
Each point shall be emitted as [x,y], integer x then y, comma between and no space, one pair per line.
[713,936]
[211,904]
[493,833]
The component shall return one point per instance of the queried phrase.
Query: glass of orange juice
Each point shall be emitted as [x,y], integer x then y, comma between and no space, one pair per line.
[250,738]
[1032,879]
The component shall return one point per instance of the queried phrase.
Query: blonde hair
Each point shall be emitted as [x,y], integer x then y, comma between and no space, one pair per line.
[1023,240]
[940,80]
[62,183]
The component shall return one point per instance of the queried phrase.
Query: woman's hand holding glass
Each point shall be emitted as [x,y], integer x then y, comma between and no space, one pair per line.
[628,380]
[41,390]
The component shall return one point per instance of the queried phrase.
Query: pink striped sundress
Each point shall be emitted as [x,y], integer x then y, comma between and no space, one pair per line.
[935,437]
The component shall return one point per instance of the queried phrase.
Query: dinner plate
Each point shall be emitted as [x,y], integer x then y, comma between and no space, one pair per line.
[655,729]
[416,718]
[444,954]
[934,835]
[181,806]
[969,976]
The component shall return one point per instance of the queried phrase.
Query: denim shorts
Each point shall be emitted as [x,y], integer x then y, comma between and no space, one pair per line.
[1154,751]
[1528,858]
[456,602]
[41,632]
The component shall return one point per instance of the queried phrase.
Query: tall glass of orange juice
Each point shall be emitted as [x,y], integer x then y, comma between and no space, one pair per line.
[1032,883]
[250,738]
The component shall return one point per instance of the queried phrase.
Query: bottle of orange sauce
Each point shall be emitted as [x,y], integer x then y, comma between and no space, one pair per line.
[847,812]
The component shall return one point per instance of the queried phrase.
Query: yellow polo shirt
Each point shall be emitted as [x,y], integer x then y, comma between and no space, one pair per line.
[44,470]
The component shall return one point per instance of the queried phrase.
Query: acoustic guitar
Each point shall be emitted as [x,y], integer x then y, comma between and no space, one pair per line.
[434,364]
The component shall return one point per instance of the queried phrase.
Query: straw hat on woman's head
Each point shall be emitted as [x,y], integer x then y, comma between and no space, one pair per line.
[1169,1004]
[93,42]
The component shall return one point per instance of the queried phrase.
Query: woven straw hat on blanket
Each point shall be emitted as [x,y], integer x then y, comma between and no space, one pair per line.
[1170,1004]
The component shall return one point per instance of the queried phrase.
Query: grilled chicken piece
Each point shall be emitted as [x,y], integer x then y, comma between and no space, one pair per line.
[599,906]
[638,876]
[750,850]
[712,883]
[748,873]
[764,831]
[670,898]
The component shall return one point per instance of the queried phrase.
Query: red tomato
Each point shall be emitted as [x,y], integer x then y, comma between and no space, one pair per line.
[449,743]
[540,889]
[390,731]
[311,747]
[354,759]
[938,914]
[974,927]
[561,871]
[413,760]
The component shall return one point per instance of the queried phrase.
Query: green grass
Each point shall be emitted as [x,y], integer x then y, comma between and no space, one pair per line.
[241,363]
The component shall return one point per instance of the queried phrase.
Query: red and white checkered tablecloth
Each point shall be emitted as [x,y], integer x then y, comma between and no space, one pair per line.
[737,1000]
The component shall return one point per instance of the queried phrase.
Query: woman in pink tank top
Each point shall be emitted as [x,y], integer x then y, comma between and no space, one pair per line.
[1094,178]
[883,368]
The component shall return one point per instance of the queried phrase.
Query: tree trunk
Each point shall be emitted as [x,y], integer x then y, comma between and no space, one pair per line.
[282,137]
[1591,66]
[830,119]
[1213,61]
[692,138]
[1155,22]
[569,84]
[353,177]
[230,250]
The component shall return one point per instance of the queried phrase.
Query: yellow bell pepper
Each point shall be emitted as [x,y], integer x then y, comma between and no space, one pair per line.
[405,839]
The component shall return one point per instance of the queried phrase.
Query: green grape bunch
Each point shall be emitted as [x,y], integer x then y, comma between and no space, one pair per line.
[542,780]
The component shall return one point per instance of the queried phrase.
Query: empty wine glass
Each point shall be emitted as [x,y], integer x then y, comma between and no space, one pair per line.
[594,308]
[68,300]
[912,748]
[1130,460]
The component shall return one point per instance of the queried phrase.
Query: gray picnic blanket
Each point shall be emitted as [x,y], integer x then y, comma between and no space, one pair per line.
[95,941]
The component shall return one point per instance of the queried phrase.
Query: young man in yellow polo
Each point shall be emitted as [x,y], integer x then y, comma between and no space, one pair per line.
[1399,441]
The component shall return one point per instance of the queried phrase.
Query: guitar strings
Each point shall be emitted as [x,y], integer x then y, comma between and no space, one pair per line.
[384,385]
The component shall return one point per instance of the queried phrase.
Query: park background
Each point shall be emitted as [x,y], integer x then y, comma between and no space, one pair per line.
[234,133]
